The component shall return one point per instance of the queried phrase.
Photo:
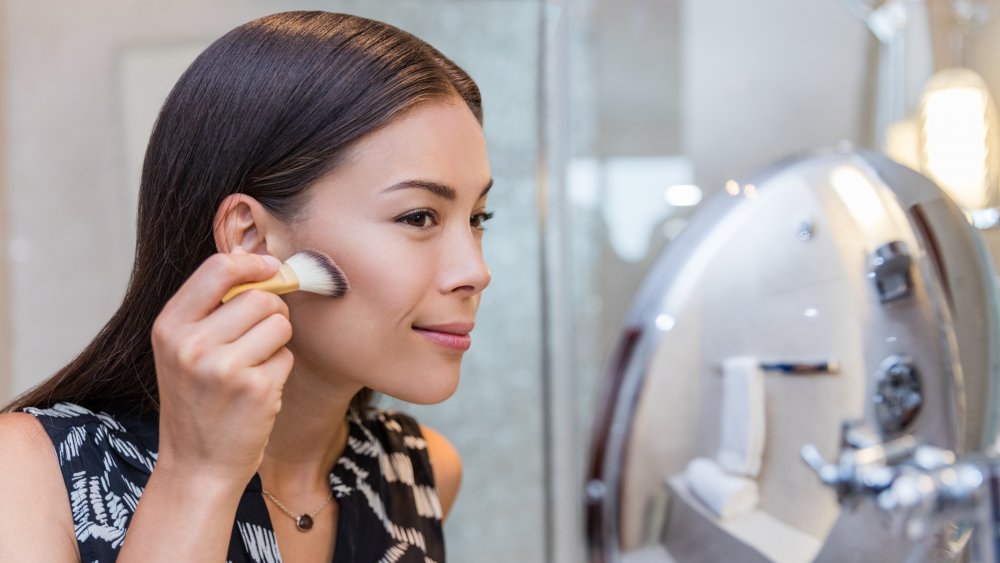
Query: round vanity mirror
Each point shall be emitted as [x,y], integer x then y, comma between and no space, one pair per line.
[838,300]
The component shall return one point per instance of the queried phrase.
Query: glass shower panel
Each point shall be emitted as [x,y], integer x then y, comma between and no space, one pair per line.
[670,104]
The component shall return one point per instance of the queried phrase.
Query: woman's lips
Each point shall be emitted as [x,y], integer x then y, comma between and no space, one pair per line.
[451,335]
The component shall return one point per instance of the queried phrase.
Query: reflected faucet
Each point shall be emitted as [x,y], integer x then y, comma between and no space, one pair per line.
[919,488]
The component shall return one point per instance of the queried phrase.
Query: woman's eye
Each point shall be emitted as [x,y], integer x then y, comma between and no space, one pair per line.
[419,219]
[478,219]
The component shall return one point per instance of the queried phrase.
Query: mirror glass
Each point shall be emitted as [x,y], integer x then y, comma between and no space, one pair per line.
[835,288]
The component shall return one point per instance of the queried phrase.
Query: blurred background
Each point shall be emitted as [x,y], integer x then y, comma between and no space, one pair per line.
[608,123]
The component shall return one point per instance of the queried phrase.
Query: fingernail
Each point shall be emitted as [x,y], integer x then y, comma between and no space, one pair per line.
[271,260]
[237,250]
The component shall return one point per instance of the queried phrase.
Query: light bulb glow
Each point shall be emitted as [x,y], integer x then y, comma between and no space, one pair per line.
[959,137]
[682,195]
[955,148]
[665,322]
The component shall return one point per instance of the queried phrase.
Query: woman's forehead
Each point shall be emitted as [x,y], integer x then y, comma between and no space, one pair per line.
[439,143]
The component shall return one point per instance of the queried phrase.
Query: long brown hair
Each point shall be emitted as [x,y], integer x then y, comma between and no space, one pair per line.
[266,110]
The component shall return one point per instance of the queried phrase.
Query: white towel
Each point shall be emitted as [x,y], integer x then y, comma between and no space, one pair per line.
[726,495]
[741,435]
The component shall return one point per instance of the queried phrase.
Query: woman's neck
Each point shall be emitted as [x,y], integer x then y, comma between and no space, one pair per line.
[309,435]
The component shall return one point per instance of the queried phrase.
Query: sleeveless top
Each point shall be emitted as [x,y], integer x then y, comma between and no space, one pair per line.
[389,510]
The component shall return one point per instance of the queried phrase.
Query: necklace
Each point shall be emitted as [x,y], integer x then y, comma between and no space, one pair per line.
[303,521]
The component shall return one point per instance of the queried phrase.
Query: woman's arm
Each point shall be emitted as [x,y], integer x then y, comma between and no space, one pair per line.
[181,518]
[447,465]
[36,524]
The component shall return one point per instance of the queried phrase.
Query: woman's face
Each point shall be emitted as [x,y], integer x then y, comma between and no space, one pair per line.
[402,216]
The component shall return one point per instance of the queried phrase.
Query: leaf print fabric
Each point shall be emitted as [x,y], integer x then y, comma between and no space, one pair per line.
[383,484]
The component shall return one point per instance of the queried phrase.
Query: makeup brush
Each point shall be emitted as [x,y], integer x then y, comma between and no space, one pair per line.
[309,270]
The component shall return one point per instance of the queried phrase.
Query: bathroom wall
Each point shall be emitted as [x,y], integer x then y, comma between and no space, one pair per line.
[82,87]
[982,50]
[767,79]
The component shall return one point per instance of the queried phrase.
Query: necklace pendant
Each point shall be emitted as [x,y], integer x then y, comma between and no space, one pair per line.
[304,522]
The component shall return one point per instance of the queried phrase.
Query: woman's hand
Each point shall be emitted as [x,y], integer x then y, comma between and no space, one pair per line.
[220,370]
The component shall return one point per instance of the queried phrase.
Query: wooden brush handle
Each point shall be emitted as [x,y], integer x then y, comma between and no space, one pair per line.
[285,281]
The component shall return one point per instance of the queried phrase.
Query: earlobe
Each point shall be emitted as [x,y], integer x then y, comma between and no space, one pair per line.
[238,222]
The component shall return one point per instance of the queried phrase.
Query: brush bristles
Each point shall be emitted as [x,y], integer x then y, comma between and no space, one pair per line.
[318,273]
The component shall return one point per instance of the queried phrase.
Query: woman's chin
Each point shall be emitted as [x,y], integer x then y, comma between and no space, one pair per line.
[431,390]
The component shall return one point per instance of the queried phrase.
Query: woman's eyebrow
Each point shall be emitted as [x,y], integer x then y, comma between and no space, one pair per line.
[435,188]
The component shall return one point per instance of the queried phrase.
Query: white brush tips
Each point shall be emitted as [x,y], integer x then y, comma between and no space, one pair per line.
[318,273]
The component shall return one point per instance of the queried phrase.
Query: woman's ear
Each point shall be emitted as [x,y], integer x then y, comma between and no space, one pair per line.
[241,220]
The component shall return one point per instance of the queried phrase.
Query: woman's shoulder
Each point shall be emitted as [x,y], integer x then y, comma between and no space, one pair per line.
[26,450]
[31,477]
[22,437]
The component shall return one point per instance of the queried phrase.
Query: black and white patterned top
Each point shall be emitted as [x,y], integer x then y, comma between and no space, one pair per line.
[388,507]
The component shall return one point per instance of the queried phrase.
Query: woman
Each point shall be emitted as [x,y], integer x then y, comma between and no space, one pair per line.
[220,433]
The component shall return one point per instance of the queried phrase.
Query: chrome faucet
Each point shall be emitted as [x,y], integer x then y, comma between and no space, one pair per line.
[919,488]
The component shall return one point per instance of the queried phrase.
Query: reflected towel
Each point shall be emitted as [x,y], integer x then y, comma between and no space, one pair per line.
[726,495]
[741,429]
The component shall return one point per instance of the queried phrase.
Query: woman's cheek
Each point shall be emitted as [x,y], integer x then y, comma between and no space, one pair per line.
[397,273]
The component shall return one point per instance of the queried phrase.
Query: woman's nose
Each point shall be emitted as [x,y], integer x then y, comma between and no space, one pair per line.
[464,269]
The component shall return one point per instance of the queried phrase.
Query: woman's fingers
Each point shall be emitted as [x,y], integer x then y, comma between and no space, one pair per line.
[232,320]
[261,341]
[203,291]
[276,369]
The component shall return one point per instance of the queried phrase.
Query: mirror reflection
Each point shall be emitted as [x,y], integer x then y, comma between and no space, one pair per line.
[843,302]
